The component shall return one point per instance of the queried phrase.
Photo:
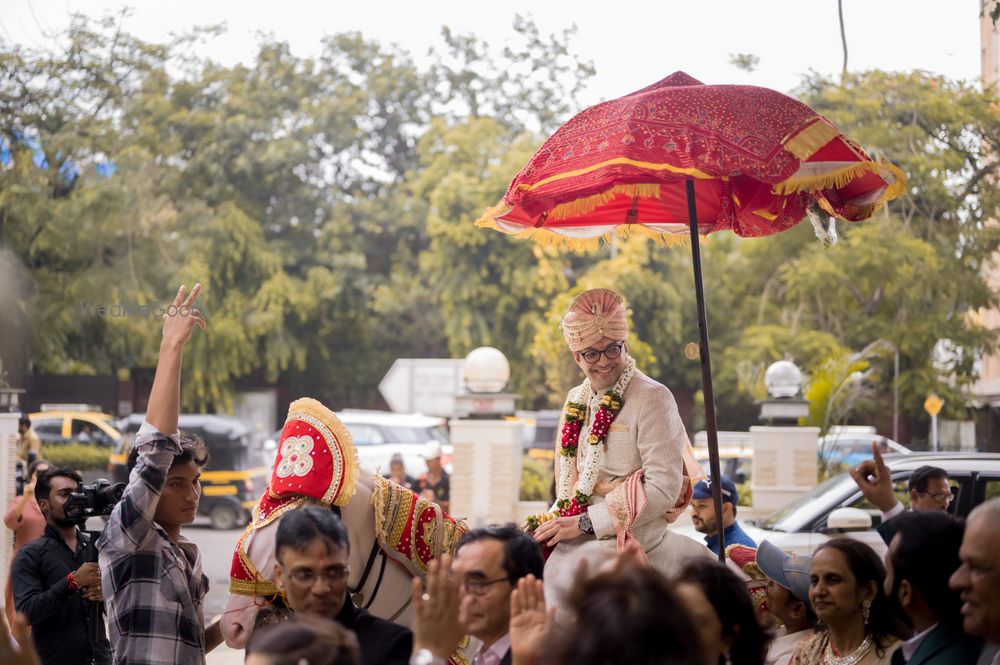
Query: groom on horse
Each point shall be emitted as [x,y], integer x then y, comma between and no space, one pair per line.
[624,464]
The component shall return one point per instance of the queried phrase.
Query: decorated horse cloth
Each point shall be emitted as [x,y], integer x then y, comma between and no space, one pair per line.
[744,560]
[410,529]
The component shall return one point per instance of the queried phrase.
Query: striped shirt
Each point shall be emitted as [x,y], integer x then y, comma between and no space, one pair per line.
[154,587]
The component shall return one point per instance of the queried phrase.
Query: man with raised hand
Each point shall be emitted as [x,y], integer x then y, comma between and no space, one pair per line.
[928,485]
[151,575]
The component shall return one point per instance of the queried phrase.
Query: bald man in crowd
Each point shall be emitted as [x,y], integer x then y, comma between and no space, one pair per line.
[978,578]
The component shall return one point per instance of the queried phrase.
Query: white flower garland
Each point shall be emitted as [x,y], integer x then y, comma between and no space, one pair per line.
[589,457]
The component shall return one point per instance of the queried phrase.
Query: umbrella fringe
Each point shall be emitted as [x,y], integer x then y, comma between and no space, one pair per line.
[680,239]
[842,177]
[488,218]
[807,141]
[548,238]
[587,204]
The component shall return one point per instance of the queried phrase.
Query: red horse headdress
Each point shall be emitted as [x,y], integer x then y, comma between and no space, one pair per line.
[316,460]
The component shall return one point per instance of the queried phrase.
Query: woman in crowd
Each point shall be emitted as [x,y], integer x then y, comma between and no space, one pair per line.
[303,640]
[845,589]
[25,519]
[720,605]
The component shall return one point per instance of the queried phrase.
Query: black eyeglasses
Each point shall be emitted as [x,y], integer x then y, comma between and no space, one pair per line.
[478,587]
[611,352]
[943,497]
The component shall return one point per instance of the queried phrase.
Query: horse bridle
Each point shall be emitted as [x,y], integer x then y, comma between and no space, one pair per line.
[357,595]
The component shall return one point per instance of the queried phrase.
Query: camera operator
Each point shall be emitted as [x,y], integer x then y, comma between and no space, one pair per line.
[52,578]
[153,577]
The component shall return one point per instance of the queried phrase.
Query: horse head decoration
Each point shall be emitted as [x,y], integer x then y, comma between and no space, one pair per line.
[393,533]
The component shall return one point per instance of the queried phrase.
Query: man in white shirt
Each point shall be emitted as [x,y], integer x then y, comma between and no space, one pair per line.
[488,563]
[978,578]
[787,599]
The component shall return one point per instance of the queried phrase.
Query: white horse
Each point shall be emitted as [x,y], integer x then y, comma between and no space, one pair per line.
[379,580]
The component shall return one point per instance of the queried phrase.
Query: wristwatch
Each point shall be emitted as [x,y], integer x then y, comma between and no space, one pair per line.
[425,657]
[585,524]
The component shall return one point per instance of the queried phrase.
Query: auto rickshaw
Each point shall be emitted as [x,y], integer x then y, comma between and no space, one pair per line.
[237,470]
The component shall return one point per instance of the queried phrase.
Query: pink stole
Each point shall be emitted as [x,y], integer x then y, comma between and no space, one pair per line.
[627,499]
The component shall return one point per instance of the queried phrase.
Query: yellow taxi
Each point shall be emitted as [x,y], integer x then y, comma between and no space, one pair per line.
[68,423]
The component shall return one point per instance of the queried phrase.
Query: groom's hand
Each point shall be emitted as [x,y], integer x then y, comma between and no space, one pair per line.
[555,531]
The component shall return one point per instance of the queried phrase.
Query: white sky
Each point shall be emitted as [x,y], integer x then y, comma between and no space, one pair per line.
[632,44]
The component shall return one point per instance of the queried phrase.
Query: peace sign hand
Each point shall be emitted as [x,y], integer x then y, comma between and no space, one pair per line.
[181,318]
[874,479]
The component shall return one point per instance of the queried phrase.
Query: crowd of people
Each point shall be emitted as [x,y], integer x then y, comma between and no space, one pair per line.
[600,579]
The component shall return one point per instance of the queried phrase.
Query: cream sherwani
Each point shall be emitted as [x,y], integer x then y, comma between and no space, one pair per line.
[647,434]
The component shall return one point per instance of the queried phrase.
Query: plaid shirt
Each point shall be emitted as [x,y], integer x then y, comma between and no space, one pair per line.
[154,587]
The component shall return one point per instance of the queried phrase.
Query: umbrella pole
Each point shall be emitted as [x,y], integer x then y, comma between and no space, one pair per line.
[706,369]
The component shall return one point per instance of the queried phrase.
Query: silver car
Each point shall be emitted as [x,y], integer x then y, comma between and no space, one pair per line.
[837,507]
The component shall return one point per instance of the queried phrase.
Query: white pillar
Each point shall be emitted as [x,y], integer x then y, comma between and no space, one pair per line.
[486,470]
[784,465]
[8,456]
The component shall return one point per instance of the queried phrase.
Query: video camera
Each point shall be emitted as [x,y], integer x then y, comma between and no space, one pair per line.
[95,499]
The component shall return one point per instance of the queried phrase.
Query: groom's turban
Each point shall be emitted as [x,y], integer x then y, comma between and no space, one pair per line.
[592,316]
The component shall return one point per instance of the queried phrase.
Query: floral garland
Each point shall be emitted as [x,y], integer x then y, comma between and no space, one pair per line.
[573,430]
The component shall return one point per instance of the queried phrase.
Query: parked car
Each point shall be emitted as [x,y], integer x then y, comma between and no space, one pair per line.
[851,447]
[846,446]
[68,423]
[538,430]
[237,470]
[379,434]
[804,524]
[735,461]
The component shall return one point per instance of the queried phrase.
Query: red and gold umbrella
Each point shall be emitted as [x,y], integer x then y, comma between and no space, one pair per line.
[680,158]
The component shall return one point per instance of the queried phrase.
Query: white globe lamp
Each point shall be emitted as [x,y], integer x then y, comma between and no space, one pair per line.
[783,380]
[486,370]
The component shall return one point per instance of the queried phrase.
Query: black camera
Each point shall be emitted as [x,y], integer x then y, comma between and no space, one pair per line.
[98,498]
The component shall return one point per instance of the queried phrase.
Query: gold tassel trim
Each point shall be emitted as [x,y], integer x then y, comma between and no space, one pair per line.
[619,161]
[807,141]
[842,177]
[379,496]
[487,219]
[256,589]
[552,239]
[590,203]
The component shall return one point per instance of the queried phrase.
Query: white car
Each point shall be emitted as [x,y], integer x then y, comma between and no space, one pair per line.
[836,507]
[380,434]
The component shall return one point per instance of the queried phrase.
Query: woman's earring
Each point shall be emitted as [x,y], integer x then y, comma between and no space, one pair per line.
[866,610]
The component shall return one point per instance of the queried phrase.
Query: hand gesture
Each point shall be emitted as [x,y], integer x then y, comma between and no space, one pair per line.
[555,531]
[8,654]
[87,575]
[530,623]
[874,479]
[435,610]
[181,317]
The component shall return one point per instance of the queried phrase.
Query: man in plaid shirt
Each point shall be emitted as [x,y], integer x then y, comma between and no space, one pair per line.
[151,575]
